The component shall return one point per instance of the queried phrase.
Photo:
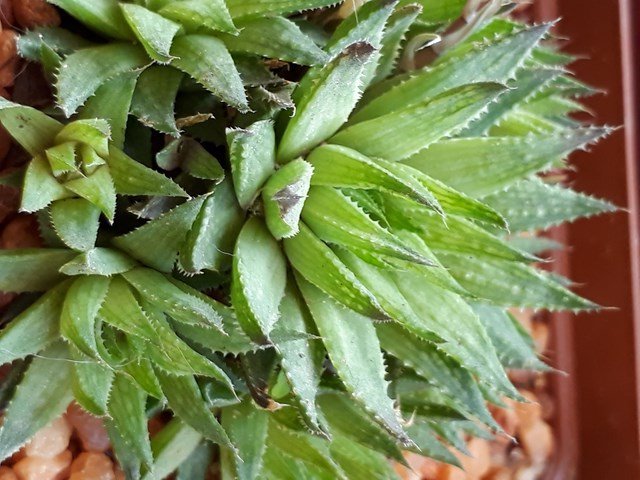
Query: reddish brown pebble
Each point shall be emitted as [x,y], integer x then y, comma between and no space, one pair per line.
[35,13]
[50,441]
[537,441]
[507,418]
[7,474]
[36,468]
[502,473]
[6,13]
[119,474]
[540,334]
[92,466]
[21,232]
[8,49]
[90,429]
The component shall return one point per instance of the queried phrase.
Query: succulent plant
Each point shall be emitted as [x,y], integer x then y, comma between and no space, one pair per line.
[325,280]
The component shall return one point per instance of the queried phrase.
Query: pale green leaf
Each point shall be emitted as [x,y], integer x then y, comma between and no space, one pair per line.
[133,178]
[98,189]
[324,102]
[533,204]
[438,11]
[198,14]
[62,158]
[191,157]
[183,303]
[32,129]
[155,96]
[99,261]
[103,16]
[42,396]
[210,242]
[157,242]
[95,132]
[496,62]
[35,328]
[184,397]
[428,121]
[128,417]
[252,157]
[283,197]
[336,219]
[154,31]
[112,102]
[354,350]
[40,187]
[206,59]
[259,8]
[259,279]
[338,166]
[91,384]
[286,41]
[196,466]
[513,344]
[512,284]
[247,427]
[360,463]
[171,446]
[80,310]
[317,263]
[479,166]
[82,72]
[76,222]
[30,43]
[32,270]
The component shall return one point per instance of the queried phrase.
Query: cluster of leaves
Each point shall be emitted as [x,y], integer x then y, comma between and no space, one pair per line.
[316,271]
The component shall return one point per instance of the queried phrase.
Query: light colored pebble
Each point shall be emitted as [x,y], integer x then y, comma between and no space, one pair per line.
[537,441]
[36,468]
[50,441]
[528,413]
[92,466]
[91,431]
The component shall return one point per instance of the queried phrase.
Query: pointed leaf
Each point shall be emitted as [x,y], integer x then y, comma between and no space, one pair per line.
[155,96]
[99,261]
[210,242]
[157,242]
[154,31]
[338,166]
[171,446]
[247,427]
[198,14]
[479,166]
[354,350]
[128,418]
[112,102]
[206,59]
[34,329]
[284,195]
[252,157]
[302,359]
[94,65]
[62,158]
[324,102]
[182,302]
[32,129]
[42,396]
[512,284]
[94,132]
[91,383]
[429,121]
[76,222]
[104,16]
[259,279]
[40,187]
[32,270]
[98,189]
[496,62]
[185,399]
[286,41]
[133,178]
[317,263]
[533,204]
[259,8]
[338,220]
[191,157]
[79,312]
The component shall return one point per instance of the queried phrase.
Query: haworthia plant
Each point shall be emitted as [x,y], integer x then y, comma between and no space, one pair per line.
[305,249]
